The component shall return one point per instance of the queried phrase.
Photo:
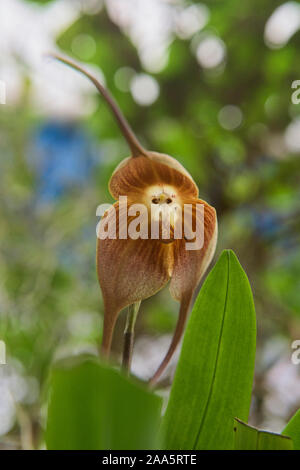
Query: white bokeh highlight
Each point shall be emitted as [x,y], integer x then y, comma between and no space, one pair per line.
[292,136]
[282,24]
[211,51]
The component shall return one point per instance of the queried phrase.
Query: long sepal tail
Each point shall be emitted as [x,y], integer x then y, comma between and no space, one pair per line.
[183,312]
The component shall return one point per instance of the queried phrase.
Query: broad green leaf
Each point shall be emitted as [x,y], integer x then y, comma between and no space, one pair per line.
[250,438]
[95,407]
[213,380]
[245,437]
[292,429]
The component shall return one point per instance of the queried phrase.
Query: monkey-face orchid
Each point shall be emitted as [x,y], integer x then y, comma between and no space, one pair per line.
[132,269]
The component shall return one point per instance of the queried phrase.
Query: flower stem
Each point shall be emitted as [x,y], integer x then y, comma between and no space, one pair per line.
[129,336]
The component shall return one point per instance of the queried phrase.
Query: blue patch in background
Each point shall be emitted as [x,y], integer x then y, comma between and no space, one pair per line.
[63,156]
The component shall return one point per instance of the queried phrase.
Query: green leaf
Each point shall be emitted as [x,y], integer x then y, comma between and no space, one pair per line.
[292,429]
[95,407]
[250,438]
[245,437]
[213,380]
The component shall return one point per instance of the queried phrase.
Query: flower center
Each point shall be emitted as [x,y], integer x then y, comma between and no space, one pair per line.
[162,198]
[164,209]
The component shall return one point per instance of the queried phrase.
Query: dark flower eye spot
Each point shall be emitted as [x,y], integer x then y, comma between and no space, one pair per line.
[155,200]
[169,200]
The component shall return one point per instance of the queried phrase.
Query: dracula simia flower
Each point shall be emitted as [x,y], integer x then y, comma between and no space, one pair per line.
[131,269]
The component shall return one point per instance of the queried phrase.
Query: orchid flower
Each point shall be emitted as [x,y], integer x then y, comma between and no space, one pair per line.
[130,270]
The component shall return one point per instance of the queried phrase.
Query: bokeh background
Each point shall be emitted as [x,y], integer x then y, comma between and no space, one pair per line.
[209,83]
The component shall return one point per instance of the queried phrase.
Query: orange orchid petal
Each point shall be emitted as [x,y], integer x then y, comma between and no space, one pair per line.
[189,267]
[129,271]
[134,175]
